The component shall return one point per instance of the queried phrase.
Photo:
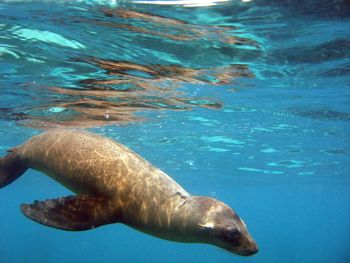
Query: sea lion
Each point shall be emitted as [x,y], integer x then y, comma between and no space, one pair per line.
[114,184]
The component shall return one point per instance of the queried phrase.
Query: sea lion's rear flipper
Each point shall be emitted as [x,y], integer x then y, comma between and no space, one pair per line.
[74,213]
[11,167]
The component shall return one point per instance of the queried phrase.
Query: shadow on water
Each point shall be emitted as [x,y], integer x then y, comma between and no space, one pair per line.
[126,88]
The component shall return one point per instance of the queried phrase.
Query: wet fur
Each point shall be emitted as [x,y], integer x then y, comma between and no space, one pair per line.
[114,184]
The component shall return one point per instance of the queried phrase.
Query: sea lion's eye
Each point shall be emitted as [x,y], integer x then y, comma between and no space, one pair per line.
[231,235]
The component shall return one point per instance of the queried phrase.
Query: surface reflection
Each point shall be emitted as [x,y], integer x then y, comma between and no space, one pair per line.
[179,30]
[155,75]
[126,90]
[121,87]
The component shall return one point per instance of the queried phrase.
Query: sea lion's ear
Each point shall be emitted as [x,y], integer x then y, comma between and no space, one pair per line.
[74,213]
[208,225]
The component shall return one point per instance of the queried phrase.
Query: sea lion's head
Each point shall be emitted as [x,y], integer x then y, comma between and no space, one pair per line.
[217,224]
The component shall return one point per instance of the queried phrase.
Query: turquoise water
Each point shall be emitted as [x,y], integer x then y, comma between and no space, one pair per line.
[247,102]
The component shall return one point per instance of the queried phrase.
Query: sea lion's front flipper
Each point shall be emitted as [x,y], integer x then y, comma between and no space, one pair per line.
[74,213]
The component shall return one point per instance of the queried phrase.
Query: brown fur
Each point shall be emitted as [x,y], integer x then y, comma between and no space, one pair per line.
[114,184]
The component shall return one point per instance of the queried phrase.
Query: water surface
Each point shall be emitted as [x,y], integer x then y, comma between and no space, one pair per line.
[244,101]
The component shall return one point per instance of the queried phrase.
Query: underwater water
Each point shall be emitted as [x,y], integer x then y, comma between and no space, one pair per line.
[243,101]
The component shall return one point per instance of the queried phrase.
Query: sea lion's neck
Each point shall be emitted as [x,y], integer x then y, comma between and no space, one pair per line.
[171,219]
[154,201]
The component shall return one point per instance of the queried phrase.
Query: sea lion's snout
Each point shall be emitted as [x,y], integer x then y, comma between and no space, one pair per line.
[247,244]
[238,241]
[249,249]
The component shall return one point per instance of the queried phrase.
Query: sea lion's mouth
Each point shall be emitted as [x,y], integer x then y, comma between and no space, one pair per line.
[248,251]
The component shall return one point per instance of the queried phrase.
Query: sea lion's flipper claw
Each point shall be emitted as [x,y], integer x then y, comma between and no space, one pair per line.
[74,213]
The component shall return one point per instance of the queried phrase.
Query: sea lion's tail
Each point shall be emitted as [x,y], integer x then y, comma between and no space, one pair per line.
[11,168]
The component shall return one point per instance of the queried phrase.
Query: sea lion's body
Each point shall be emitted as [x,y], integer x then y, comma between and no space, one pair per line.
[113,184]
[93,165]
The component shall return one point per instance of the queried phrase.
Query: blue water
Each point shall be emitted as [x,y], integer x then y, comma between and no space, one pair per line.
[247,102]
